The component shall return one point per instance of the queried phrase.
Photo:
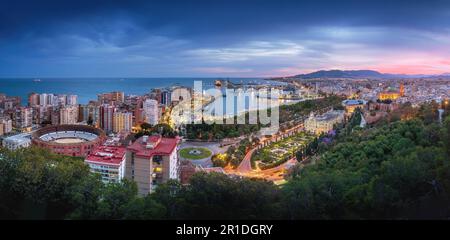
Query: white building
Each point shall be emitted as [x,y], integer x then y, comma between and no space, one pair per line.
[151,111]
[6,125]
[108,162]
[68,115]
[72,99]
[325,122]
[22,140]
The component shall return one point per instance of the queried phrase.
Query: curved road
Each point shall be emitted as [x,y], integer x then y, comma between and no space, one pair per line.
[246,166]
[246,163]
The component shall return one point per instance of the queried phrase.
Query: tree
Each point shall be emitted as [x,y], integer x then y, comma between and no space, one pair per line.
[116,200]
[146,126]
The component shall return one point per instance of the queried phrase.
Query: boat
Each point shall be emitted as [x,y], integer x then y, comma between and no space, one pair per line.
[36,80]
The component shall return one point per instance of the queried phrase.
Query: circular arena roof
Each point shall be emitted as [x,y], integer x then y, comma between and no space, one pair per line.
[67,135]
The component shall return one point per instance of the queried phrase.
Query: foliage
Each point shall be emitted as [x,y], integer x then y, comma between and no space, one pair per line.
[287,113]
[397,171]
[162,129]
[281,151]
[203,153]
[400,170]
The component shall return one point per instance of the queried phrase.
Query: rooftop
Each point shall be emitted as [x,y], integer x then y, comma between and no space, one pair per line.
[148,146]
[19,138]
[329,115]
[112,155]
[350,102]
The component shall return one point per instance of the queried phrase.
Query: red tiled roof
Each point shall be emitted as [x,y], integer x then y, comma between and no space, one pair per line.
[107,155]
[161,146]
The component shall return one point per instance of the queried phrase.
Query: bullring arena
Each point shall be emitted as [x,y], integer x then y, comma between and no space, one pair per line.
[70,140]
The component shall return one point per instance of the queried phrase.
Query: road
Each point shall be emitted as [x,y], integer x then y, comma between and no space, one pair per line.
[246,164]
[245,167]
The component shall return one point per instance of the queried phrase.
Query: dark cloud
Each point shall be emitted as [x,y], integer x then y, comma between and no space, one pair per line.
[169,33]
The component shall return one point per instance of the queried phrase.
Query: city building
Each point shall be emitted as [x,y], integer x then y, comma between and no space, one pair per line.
[392,94]
[123,121]
[33,99]
[109,162]
[69,140]
[90,114]
[15,142]
[166,97]
[71,99]
[111,98]
[106,117]
[325,122]
[351,105]
[5,125]
[156,94]
[68,114]
[43,99]
[10,103]
[152,160]
[23,117]
[54,116]
[151,111]
[180,93]
[60,100]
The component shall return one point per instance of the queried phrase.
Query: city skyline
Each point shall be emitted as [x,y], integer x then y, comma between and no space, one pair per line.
[222,38]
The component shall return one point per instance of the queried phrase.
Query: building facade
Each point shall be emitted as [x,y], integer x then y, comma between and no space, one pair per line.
[68,114]
[23,117]
[108,162]
[106,117]
[323,123]
[123,121]
[151,111]
[152,160]
[15,142]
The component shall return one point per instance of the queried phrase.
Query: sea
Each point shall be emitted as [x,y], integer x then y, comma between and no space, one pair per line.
[88,88]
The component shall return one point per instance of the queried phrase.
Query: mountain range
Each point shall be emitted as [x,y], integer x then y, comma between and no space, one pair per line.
[360,74]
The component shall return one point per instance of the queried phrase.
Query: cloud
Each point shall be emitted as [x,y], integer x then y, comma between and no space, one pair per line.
[222,70]
[248,51]
[233,38]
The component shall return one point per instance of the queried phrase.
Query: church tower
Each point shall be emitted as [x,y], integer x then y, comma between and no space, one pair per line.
[402,90]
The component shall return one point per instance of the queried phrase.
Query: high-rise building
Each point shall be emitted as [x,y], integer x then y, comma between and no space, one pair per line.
[6,125]
[151,111]
[68,115]
[138,116]
[106,117]
[11,103]
[156,94]
[111,98]
[33,99]
[71,99]
[23,117]
[43,99]
[166,97]
[152,160]
[123,121]
[91,114]
[42,113]
[60,100]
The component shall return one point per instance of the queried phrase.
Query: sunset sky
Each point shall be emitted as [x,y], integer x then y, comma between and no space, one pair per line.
[221,38]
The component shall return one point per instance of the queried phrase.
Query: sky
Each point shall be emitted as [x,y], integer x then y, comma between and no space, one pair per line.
[221,38]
